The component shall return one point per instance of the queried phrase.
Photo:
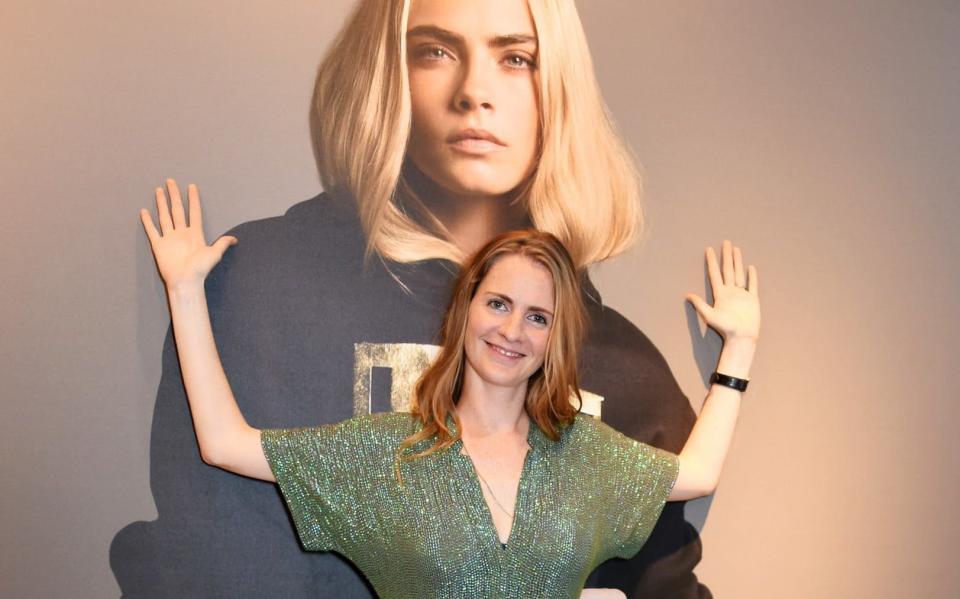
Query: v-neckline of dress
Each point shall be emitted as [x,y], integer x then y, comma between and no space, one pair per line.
[518,504]
[475,490]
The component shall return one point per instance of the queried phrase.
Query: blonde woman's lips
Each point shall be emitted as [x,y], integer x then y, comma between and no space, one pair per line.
[475,141]
[474,146]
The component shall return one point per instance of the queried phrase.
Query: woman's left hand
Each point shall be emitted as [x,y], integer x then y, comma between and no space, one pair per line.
[735,313]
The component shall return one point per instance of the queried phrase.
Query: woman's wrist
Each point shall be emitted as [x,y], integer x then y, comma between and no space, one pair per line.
[737,357]
[186,291]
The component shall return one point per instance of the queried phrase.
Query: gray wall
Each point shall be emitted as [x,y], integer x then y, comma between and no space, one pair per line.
[822,137]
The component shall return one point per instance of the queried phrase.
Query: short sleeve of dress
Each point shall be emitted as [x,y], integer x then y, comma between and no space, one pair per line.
[338,479]
[308,464]
[638,481]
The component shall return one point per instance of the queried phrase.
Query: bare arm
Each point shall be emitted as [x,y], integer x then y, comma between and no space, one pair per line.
[184,260]
[736,316]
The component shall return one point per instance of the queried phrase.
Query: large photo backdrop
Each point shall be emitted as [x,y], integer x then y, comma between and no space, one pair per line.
[821,138]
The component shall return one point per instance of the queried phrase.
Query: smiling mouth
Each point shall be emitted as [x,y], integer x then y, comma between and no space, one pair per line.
[504,352]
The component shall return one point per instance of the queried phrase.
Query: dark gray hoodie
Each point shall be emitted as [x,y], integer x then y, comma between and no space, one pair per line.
[290,304]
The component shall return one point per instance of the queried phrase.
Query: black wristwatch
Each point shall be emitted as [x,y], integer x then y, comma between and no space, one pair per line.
[729,381]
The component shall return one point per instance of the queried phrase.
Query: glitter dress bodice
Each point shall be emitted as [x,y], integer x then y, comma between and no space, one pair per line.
[592,495]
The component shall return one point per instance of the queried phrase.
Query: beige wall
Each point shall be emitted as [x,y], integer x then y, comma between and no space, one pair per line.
[821,136]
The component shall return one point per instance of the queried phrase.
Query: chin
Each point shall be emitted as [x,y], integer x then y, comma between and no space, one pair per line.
[491,374]
[480,189]
[480,181]
[504,384]
[496,376]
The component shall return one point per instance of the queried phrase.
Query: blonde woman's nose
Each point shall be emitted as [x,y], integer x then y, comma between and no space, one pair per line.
[474,89]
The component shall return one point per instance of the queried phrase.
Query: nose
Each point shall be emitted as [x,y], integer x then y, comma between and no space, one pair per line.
[474,90]
[511,328]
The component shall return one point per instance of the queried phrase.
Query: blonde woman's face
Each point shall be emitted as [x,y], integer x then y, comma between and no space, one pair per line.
[473,85]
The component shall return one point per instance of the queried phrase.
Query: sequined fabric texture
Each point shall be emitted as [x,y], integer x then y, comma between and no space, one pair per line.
[592,495]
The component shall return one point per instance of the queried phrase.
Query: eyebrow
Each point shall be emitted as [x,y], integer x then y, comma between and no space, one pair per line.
[506,298]
[450,37]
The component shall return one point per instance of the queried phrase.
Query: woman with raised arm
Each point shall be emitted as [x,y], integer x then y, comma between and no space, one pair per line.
[495,484]
[437,125]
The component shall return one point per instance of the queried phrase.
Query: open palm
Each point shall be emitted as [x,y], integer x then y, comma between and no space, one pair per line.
[736,305]
[182,254]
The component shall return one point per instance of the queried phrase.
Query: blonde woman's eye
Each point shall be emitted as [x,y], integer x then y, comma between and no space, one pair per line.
[432,53]
[519,61]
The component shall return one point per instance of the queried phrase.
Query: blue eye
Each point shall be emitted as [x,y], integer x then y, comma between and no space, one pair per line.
[539,318]
[432,53]
[496,304]
[524,61]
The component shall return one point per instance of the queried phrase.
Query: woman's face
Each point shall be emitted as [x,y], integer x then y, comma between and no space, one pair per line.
[473,88]
[509,322]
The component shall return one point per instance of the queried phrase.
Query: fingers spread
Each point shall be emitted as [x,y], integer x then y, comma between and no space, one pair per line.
[703,309]
[697,301]
[163,212]
[739,274]
[224,242]
[713,270]
[193,196]
[728,278]
[148,226]
[176,204]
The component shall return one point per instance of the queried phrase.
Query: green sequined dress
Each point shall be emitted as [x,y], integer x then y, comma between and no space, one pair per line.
[593,495]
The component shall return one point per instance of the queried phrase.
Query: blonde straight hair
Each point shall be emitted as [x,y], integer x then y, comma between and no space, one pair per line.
[586,188]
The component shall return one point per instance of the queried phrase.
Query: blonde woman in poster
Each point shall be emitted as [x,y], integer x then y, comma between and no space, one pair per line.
[437,124]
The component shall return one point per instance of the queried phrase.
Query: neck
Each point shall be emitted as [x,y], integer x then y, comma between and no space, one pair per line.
[470,219]
[490,411]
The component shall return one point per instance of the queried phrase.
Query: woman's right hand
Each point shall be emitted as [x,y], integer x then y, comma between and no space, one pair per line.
[183,257]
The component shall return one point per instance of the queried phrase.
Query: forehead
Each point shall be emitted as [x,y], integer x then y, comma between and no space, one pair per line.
[479,19]
[525,280]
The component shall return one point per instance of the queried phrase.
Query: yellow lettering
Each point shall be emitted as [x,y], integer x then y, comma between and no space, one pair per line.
[406,362]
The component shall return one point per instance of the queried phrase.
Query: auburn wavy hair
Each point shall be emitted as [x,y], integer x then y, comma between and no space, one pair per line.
[550,390]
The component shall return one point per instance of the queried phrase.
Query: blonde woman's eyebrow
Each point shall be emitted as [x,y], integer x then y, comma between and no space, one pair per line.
[445,35]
